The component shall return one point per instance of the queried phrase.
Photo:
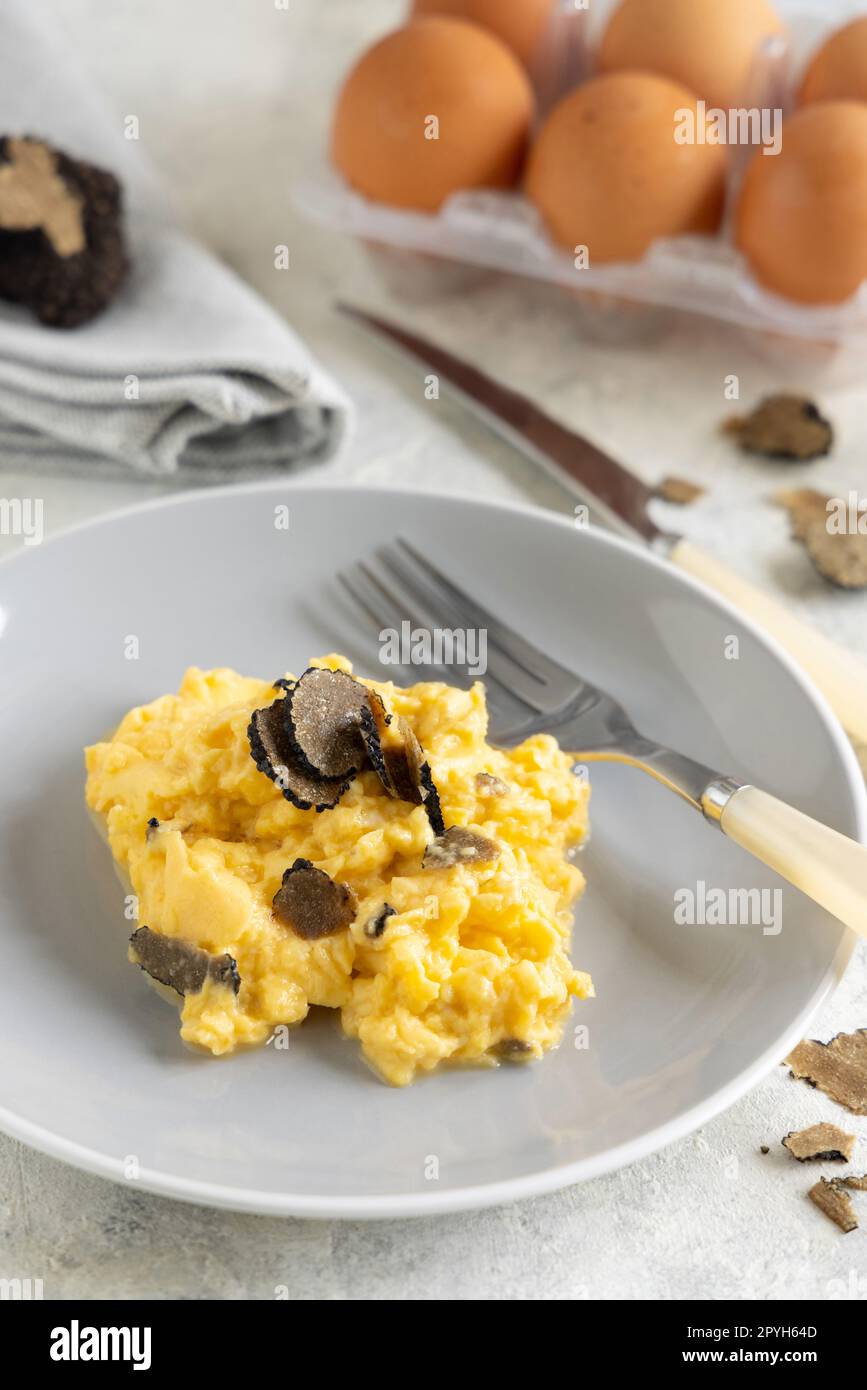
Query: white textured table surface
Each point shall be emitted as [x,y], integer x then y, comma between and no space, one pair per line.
[231,99]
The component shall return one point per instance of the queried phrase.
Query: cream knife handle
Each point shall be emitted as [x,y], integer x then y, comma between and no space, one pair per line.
[828,867]
[841,677]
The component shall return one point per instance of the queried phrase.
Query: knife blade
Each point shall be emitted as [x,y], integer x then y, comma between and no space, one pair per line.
[618,494]
[622,498]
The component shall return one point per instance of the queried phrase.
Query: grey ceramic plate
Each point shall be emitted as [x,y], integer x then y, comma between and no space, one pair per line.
[686,1018]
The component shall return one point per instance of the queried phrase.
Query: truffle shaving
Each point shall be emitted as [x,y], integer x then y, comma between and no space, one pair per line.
[836,1205]
[858,1182]
[679,491]
[312,904]
[404,761]
[804,504]
[432,801]
[272,751]
[324,713]
[399,760]
[823,1142]
[179,964]
[840,557]
[460,846]
[839,1068]
[375,721]
[377,924]
[784,427]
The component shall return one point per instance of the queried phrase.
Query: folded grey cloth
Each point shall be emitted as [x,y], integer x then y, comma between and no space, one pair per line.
[187,369]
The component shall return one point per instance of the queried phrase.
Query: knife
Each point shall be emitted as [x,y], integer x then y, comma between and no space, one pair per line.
[623,499]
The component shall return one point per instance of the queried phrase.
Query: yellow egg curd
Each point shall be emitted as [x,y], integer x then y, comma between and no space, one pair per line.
[473,965]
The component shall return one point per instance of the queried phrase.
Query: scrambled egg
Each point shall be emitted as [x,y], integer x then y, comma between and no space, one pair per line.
[475,961]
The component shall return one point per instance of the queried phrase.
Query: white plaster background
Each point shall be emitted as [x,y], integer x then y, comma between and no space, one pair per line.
[232,98]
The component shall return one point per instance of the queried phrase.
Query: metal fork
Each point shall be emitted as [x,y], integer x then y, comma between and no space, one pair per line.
[528,692]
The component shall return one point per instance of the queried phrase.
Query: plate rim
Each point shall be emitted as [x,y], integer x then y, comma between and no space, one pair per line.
[480,1195]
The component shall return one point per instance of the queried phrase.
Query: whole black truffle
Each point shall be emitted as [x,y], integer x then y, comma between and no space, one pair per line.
[62,248]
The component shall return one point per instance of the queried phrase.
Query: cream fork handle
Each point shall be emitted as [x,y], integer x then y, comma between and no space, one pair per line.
[841,677]
[828,867]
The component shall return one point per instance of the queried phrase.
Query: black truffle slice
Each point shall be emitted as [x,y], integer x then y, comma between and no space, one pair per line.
[399,759]
[324,713]
[179,964]
[394,751]
[312,904]
[62,247]
[784,427]
[272,751]
[432,801]
[375,723]
[460,846]
[377,924]
[824,1142]
[404,761]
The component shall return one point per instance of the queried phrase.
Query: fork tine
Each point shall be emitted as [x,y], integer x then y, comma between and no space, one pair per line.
[357,592]
[530,659]
[431,670]
[514,693]
[456,610]
[384,609]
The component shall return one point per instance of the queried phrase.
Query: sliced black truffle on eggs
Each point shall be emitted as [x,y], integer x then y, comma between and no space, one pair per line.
[374,730]
[273,753]
[460,846]
[404,760]
[377,924]
[399,759]
[312,904]
[179,964]
[324,713]
[432,801]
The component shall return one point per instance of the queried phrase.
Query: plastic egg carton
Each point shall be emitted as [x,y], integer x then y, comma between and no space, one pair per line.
[479,233]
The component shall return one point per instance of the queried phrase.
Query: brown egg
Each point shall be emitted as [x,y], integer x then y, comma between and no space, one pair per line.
[432,108]
[802,214]
[607,173]
[708,45]
[838,70]
[519,23]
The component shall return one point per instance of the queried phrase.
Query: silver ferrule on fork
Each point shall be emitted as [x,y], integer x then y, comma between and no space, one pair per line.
[716,797]
[705,790]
